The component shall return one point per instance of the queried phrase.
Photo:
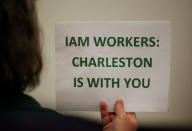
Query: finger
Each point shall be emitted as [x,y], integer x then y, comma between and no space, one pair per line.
[131,114]
[119,108]
[104,112]
[132,117]
[106,120]
[112,116]
[134,121]
[106,127]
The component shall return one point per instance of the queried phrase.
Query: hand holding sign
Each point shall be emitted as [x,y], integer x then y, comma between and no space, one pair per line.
[118,121]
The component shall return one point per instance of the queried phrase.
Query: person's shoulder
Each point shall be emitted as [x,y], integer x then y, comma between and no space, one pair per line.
[25,113]
[46,119]
[60,121]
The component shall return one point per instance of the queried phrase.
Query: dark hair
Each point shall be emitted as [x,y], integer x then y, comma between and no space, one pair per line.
[20,52]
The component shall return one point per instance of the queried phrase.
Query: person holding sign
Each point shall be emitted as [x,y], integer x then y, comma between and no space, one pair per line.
[20,68]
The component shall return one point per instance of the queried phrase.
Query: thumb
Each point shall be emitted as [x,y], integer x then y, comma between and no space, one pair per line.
[119,108]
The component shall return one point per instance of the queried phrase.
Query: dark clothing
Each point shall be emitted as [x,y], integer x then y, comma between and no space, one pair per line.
[22,112]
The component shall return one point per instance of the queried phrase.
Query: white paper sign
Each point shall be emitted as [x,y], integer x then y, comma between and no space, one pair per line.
[106,61]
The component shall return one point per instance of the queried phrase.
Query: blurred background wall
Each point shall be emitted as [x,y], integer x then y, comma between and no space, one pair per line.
[179,12]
